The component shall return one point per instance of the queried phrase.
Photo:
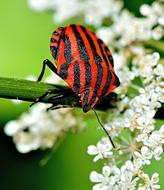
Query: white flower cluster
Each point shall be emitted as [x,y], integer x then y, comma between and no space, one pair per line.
[41,129]
[127,29]
[125,178]
[136,110]
[101,150]
[93,11]
[145,141]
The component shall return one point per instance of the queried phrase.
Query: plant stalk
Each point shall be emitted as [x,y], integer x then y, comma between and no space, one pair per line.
[19,89]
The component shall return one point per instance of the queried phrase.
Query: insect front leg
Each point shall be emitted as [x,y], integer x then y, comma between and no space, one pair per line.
[50,65]
[58,100]
[48,92]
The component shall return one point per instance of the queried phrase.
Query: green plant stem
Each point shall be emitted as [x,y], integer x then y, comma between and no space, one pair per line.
[12,88]
[158,45]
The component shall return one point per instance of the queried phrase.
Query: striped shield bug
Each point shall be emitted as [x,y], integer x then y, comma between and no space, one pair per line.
[84,62]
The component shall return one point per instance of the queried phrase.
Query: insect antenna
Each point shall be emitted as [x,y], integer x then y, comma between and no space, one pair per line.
[104,128]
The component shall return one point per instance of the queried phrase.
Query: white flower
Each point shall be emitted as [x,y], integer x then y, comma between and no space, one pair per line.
[130,167]
[157,152]
[125,77]
[115,178]
[104,180]
[115,127]
[157,33]
[119,60]
[154,139]
[161,20]
[145,10]
[159,70]
[12,127]
[143,157]
[106,34]
[143,137]
[25,142]
[67,9]
[149,184]
[93,11]
[161,131]
[101,150]
[155,12]
[127,180]
[96,10]
[146,65]
[41,5]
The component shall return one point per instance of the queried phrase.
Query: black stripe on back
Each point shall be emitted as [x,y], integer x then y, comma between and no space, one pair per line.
[84,57]
[100,42]
[117,81]
[76,84]
[55,50]
[98,62]
[60,30]
[110,58]
[109,75]
[68,57]
[55,33]
[107,84]
[81,46]
[53,40]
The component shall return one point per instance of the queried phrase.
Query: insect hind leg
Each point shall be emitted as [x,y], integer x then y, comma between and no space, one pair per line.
[58,100]
[55,106]
[48,63]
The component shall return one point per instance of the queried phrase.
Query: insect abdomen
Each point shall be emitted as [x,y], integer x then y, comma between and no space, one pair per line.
[54,41]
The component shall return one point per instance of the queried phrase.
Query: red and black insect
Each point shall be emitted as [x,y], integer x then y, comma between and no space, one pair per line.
[84,61]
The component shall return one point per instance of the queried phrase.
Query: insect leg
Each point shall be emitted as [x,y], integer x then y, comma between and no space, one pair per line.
[50,91]
[60,106]
[54,107]
[64,93]
[110,139]
[50,65]
[56,101]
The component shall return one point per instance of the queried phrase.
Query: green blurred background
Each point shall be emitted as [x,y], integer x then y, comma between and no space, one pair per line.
[24,43]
